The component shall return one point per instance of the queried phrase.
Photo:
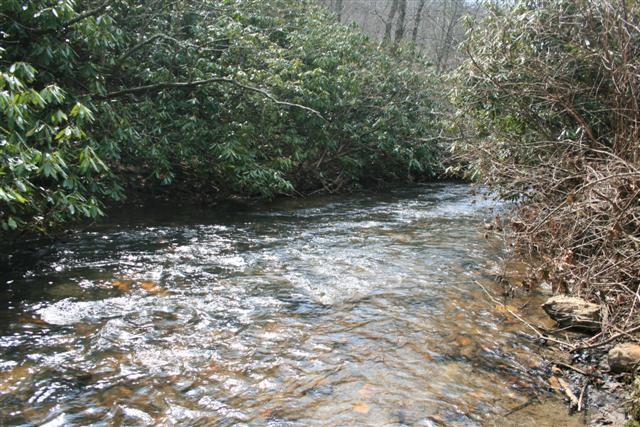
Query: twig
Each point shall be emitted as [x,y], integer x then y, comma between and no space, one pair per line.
[575,369]
[608,340]
[155,37]
[582,394]
[87,14]
[521,406]
[529,325]
[549,215]
[567,391]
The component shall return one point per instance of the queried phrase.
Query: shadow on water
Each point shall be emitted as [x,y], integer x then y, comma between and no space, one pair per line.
[341,310]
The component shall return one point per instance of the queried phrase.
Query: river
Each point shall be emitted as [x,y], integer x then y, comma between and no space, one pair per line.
[334,310]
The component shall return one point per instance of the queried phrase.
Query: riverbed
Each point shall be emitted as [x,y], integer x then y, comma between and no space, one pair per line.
[335,310]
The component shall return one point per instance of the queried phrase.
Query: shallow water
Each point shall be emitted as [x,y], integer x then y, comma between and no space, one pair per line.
[346,310]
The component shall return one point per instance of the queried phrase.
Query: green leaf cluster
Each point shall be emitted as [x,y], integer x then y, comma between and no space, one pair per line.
[201,99]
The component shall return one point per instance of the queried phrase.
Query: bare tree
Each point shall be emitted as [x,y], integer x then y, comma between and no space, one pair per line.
[402,8]
[416,21]
[389,22]
[436,31]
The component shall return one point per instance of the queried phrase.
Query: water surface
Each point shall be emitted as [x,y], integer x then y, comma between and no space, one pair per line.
[344,310]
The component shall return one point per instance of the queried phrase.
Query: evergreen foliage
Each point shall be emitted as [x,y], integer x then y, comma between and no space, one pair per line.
[204,98]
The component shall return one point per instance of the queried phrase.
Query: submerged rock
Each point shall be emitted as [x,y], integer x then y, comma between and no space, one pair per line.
[66,290]
[624,357]
[573,312]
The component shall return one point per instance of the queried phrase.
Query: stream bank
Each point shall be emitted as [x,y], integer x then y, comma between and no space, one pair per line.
[594,378]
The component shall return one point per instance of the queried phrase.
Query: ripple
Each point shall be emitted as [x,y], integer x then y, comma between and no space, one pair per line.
[336,310]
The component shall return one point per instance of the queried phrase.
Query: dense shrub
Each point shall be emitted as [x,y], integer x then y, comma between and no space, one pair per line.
[202,98]
[551,89]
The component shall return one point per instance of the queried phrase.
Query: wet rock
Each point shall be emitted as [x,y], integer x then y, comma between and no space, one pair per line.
[66,290]
[624,357]
[573,312]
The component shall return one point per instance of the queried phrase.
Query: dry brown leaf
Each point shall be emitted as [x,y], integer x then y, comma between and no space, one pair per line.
[555,384]
[152,288]
[121,285]
[361,408]
[463,341]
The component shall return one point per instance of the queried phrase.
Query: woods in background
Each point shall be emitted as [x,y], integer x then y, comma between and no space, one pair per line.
[434,28]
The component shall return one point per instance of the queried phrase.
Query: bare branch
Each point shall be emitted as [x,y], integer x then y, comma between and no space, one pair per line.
[156,87]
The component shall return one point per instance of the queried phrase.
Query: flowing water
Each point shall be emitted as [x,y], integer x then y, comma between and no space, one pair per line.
[346,310]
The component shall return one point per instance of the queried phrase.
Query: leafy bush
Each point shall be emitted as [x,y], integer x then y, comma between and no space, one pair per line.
[204,99]
[49,170]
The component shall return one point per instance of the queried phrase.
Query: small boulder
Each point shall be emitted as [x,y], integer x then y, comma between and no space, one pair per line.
[624,357]
[573,312]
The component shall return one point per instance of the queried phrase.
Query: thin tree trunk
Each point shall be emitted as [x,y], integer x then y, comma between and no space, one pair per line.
[416,22]
[339,10]
[400,24]
[389,23]
[447,43]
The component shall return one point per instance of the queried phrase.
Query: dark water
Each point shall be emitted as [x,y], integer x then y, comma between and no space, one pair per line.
[350,310]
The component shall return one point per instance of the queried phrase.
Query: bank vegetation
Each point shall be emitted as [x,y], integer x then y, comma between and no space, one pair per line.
[199,100]
[550,91]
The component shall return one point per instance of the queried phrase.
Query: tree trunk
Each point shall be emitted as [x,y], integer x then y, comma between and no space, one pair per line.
[339,10]
[442,58]
[416,22]
[400,24]
[389,22]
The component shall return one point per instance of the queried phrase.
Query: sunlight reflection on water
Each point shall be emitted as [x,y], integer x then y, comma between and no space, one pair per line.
[346,310]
